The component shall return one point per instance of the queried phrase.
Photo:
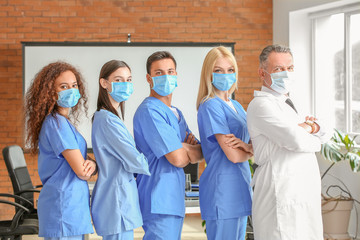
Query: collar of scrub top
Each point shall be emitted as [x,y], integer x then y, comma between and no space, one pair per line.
[234,108]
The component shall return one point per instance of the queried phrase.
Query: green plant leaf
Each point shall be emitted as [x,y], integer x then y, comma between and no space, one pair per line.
[352,165]
[354,159]
[341,147]
[203,223]
[347,142]
[331,152]
[338,136]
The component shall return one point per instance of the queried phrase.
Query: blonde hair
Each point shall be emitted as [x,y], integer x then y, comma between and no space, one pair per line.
[206,89]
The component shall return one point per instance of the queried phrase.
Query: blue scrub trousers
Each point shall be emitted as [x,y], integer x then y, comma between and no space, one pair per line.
[78,237]
[234,228]
[128,235]
[163,227]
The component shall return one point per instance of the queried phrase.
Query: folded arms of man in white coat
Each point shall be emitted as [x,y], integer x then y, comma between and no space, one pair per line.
[287,187]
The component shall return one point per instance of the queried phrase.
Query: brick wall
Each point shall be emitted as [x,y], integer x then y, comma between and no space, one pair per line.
[246,22]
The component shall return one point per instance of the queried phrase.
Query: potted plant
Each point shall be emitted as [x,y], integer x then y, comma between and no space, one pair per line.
[336,209]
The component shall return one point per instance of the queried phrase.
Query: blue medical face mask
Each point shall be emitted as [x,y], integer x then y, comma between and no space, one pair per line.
[223,82]
[281,82]
[165,84]
[121,91]
[68,98]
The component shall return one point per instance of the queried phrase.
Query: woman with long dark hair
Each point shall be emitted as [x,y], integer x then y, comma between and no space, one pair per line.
[115,201]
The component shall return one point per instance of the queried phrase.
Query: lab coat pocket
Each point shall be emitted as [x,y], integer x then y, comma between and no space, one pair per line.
[298,202]
[168,195]
[233,198]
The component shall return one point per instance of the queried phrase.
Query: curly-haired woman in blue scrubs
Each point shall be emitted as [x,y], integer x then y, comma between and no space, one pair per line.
[115,202]
[56,95]
[225,192]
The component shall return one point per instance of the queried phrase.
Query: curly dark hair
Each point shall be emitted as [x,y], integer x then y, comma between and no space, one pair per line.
[41,97]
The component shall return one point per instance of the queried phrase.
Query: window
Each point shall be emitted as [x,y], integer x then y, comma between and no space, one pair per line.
[336,69]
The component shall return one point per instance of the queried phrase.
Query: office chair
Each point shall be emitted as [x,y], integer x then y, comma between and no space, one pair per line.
[192,169]
[20,178]
[18,226]
[193,192]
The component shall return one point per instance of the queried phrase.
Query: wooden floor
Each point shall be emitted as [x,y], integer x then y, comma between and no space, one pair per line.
[192,230]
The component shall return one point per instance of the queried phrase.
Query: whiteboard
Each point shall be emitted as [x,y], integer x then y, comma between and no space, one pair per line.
[88,58]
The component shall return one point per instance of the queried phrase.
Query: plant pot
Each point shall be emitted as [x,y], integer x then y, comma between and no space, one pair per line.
[336,217]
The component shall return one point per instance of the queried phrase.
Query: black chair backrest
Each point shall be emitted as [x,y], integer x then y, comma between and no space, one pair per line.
[18,172]
[193,170]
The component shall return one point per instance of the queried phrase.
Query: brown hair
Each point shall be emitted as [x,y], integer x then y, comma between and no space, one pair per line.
[41,97]
[103,98]
[156,56]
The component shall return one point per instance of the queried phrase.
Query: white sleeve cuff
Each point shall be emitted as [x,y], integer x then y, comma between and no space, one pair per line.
[324,133]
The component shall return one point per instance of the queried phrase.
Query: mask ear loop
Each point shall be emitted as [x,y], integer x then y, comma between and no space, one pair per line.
[151,82]
[265,79]
[112,86]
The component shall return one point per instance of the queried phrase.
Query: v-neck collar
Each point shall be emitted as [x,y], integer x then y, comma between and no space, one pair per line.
[168,110]
[231,110]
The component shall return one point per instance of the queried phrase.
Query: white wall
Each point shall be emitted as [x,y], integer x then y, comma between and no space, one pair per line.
[292,27]
[281,9]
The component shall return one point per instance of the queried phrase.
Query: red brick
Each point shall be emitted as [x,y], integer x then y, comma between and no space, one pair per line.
[66,3]
[152,3]
[185,4]
[135,4]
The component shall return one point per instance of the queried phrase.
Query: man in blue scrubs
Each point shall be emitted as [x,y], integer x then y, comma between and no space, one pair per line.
[162,135]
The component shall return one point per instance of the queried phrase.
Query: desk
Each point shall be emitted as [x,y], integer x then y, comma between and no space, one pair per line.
[192,206]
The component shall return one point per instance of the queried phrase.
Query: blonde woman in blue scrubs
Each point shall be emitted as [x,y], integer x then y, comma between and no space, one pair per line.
[225,192]
[115,202]
[53,103]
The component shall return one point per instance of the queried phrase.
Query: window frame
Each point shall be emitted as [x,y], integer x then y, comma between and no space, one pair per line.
[348,11]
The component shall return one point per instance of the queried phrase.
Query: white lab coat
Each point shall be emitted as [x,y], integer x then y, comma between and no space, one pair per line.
[287,194]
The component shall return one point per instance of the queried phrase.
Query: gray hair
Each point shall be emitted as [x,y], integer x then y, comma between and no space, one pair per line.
[272,48]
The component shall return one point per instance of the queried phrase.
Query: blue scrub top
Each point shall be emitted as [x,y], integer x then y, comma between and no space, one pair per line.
[115,196]
[224,187]
[64,200]
[157,132]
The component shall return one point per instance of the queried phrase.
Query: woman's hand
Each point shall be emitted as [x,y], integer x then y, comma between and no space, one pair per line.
[83,168]
[89,167]
[235,142]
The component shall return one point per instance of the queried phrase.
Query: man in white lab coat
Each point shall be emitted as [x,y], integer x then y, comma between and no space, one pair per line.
[287,186]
